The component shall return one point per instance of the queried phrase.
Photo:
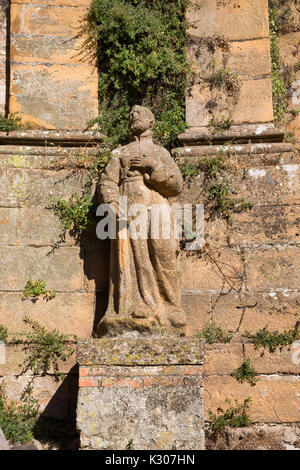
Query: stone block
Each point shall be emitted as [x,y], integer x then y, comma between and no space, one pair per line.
[227,18]
[255,103]
[45,19]
[15,357]
[275,398]
[278,311]
[222,359]
[62,271]
[266,225]
[197,309]
[57,400]
[209,273]
[282,361]
[33,188]
[273,268]
[143,351]
[70,313]
[227,310]
[45,49]
[152,410]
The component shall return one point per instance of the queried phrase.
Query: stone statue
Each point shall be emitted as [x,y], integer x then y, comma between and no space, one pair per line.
[145,286]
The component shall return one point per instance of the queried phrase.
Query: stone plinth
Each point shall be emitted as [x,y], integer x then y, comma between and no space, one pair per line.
[143,391]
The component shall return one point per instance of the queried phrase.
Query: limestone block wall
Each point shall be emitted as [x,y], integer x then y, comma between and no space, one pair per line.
[28,231]
[289,45]
[244,25]
[51,86]
[247,278]
[3,9]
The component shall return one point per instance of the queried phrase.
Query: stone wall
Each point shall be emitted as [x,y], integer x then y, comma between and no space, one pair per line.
[230,37]
[52,87]
[28,230]
[3,10]
[289,46]
[247,278]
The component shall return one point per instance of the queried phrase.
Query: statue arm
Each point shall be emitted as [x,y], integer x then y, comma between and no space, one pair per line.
[108,186]
[166,177]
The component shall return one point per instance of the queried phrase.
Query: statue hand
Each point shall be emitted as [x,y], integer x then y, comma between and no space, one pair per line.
[142,163]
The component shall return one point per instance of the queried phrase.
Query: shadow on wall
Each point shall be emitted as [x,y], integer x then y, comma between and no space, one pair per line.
[56,426]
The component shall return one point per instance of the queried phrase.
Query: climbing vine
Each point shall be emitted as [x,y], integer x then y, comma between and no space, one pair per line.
[140,48]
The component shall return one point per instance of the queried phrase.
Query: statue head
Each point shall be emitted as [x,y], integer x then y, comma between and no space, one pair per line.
[141,119]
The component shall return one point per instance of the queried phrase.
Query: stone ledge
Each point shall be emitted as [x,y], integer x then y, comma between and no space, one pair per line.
[238,134]
[56,137]
[141,351]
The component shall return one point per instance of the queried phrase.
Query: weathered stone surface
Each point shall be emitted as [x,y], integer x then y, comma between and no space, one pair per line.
[165,415]
[282,361]
[57,400]
[222,359]
[50,86]
[275,398]
[15,357]
[138,390]
[279,311]
[252,93]
[69,313]
[229,18]
[273,268]
[197,308]
[266,224]
[31,188]
[62,271]
[208,272]
[2,59]
[227,310]
[144,351]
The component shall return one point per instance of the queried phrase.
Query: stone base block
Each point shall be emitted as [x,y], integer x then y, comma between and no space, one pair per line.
[141,394]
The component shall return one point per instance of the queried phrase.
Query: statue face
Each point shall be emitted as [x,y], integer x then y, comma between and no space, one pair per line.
[141,119]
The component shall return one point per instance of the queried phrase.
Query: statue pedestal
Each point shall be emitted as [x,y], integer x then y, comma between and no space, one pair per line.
[141,393]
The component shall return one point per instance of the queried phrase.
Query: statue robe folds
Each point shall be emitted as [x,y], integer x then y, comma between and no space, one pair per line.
[144,287]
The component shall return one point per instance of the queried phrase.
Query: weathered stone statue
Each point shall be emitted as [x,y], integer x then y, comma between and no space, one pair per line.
[145,287]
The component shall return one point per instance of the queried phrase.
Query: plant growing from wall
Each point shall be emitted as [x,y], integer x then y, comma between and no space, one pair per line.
[234,417]
[45,349]
[214,334]
[282,21]
[272,340]
[3,333]
[79,211]
[12,123]
[17,420]
[34,289]
[140,47]
[246,373]
[218,193]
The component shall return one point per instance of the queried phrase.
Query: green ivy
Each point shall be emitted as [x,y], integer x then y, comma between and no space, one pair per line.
[140,46]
